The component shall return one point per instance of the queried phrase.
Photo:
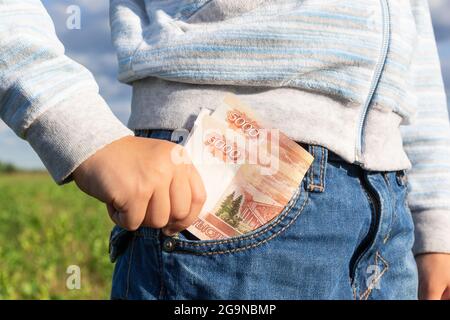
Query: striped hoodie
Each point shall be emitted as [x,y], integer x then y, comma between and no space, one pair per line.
[360,77]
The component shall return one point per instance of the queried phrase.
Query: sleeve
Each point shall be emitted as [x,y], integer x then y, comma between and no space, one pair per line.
[128,21]
[427,143]
[47,98]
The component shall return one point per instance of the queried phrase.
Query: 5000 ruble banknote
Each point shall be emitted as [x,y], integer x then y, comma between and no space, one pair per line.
[250,171]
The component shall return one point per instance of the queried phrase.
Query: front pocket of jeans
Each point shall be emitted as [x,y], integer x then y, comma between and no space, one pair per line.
[246,241]
[118,242]
[249,240]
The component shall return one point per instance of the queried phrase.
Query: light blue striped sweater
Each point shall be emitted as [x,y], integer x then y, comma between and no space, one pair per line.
[361,77]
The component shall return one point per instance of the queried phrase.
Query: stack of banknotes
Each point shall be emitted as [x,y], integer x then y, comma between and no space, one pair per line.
[250,170]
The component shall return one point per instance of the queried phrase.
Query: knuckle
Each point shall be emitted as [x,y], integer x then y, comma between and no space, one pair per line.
[176,227]
[199,197]
[142,188]
[180,215]
[132,220]
[131,226]
[157,221]
[158,177]
[156,225]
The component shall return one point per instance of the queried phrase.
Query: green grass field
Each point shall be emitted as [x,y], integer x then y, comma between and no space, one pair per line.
[44,228]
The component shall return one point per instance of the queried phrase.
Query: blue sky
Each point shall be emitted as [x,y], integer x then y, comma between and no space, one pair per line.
[92,47]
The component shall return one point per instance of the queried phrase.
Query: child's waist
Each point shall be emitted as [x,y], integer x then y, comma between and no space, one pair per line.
[305,117]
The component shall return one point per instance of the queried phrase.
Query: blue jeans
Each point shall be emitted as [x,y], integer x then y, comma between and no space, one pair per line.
[348,234]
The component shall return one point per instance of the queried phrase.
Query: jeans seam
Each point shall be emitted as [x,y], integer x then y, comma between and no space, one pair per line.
[355,297]
[311,173]
[394,208]
[322,168]
[129,267]
[386,178]
[377,214]
[254,245]
[388,235]
[312,186]
[407,191]
[161,270]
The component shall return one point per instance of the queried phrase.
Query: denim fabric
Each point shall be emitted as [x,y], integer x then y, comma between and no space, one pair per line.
[346,234]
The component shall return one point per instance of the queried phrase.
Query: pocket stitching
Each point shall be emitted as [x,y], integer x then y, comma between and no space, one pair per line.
[254,245]
[129,267]
[252,236]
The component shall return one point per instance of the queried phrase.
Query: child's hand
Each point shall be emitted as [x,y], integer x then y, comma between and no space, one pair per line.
[434,276]
[141,185]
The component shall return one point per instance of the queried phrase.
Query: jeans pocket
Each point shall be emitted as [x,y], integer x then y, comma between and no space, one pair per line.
[118,242]
[246,241]
[234,244]
[138,271]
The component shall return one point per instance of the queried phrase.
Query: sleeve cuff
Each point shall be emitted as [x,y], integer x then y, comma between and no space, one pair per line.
[72,131]
[432,232]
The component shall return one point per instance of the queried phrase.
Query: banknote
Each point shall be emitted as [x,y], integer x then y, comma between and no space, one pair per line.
[250,170]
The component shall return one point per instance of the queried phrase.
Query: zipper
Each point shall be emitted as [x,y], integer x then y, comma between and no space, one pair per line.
[376,79]
[368,240]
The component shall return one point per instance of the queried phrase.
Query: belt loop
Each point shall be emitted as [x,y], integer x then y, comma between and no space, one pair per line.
[179,136]
[317,172]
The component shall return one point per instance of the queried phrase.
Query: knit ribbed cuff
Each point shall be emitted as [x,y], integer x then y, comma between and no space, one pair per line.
[432,231]
[72,131]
